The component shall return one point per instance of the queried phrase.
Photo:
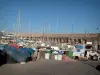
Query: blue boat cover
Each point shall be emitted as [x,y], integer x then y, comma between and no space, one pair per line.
[2,47]
[34,49]
[78,50]
[31,51]
[19,56]
[60,52]
[79,46]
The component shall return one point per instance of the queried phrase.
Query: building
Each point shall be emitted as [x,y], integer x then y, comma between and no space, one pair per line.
[64,38]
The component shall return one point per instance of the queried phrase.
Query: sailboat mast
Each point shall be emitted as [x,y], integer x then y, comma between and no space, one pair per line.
[42,32]
[57,26]
[72,35]
[49,33]
[29,31]
[14,30]
[19,23]
[32,34]
[85,32]
[49,27]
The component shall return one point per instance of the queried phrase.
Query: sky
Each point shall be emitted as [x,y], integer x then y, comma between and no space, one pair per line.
[56,16]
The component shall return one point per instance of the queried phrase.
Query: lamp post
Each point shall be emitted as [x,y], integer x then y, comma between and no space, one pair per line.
[97,39]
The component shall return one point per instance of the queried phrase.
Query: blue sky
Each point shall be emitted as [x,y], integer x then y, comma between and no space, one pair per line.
[80,14]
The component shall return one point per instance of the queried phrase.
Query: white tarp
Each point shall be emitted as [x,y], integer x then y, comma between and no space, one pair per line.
[77,54]
[55,48]
[69,46]
[21,43]
[43,44]
[89,43]
[3,37]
